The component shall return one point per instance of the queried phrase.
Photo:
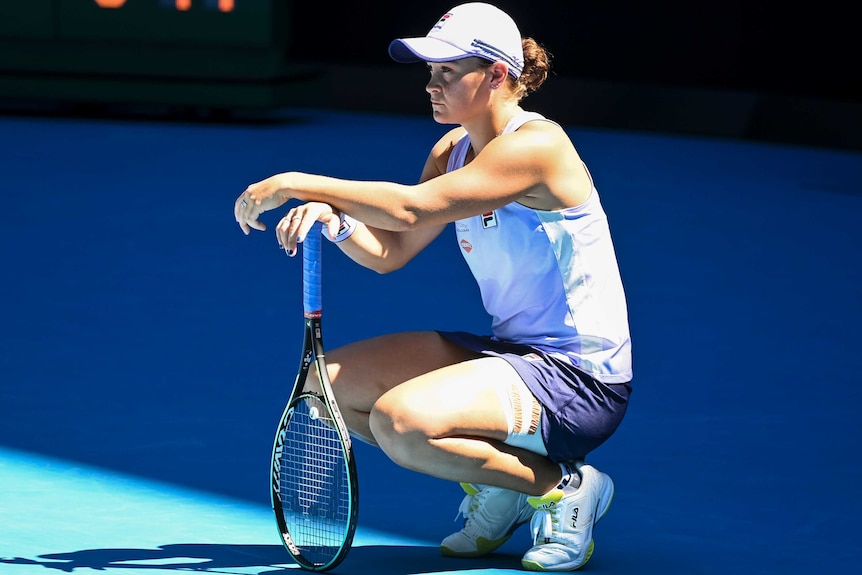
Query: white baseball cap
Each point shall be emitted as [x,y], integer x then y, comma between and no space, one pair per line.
[472,29]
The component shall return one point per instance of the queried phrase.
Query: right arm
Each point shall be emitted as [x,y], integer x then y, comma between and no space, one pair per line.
[535,165]
[383,250]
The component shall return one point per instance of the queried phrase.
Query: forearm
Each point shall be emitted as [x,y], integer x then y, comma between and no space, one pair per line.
[383,205]
[385,251]
[369,248]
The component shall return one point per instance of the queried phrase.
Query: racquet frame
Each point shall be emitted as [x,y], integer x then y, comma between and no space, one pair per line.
[313,354]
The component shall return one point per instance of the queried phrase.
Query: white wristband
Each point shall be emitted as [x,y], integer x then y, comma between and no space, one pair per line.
[345,229]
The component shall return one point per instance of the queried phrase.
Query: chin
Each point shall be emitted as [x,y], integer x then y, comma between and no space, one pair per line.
[440,117]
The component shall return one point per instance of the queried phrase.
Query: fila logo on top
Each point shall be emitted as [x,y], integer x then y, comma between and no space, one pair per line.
[489,220]
[441,21]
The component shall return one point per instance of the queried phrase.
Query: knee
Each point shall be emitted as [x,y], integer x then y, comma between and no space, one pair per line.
[399,432]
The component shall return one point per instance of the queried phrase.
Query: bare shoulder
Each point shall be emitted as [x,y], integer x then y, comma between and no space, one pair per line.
[438,159]
[444,145]
[537,145]
[544,150]
[546,135]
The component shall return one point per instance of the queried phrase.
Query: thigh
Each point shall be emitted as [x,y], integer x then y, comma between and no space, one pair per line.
[464,399]
[363,371]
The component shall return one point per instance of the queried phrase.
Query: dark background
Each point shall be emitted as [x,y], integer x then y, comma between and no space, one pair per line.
[758,45]
[757,70]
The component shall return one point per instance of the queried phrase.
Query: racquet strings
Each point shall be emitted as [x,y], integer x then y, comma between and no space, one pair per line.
[313,482]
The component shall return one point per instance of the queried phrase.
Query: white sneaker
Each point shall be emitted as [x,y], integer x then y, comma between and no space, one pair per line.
[563,523]
[491,515]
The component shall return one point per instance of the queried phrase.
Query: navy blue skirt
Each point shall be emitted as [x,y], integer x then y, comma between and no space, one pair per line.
[579,412]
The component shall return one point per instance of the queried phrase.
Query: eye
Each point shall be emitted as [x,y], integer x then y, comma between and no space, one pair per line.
[440,69]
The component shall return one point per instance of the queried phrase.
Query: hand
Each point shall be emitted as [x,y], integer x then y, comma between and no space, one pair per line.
[257,199]
[294,226]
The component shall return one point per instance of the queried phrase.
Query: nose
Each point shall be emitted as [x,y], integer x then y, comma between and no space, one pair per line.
[432,86]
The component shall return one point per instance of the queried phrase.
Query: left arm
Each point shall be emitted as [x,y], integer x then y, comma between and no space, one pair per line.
[533,165]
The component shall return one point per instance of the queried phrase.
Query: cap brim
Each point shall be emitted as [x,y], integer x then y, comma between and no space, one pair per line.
[424,49]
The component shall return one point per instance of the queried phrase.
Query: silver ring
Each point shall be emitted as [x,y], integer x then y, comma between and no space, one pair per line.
[295,218]
[243,203]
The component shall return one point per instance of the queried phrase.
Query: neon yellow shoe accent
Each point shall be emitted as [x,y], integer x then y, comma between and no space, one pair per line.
[548,500]
[564,521]
[536,566]
[491,515]
[469,488]
[483,547]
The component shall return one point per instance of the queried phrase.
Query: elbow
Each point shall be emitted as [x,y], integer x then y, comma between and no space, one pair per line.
[389,261]
[386,266]
[406,219]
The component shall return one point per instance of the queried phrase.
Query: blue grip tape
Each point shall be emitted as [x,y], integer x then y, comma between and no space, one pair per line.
[312,302]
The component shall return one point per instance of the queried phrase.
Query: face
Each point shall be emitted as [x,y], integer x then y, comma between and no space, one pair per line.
[458,90]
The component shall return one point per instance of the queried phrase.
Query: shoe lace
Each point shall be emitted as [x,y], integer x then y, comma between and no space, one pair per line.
[469,510]
[544,522]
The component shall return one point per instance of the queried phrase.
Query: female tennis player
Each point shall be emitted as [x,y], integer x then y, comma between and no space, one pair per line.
[510,415]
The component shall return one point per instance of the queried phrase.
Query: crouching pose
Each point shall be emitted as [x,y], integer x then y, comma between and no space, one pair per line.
[510,415]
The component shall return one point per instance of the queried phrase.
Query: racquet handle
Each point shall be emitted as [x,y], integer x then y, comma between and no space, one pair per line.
[312,302]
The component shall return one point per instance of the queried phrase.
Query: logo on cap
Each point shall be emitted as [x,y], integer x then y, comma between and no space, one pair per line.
[442,21]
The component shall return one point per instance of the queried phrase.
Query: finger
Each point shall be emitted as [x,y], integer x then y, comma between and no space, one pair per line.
[288,231]
[237,209]
[332,225]
[244,209]
[308,223]
[296,235]
[281,231]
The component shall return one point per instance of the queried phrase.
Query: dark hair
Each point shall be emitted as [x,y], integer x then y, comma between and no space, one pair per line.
[537,66]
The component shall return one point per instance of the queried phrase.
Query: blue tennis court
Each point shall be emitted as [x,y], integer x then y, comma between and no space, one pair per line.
[147,347]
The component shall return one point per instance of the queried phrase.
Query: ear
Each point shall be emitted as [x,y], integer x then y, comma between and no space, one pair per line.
[499,71]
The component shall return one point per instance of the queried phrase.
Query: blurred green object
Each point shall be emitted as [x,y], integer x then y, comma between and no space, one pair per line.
[150,52]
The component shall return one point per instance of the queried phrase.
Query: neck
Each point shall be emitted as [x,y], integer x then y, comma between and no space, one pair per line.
[491,126]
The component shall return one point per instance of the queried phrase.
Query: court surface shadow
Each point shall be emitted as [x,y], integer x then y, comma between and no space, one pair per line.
[274,560]
[263,559]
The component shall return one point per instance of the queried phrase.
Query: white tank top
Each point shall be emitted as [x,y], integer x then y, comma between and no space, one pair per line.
[550,278]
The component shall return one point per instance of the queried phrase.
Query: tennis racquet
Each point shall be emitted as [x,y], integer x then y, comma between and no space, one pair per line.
[315,495]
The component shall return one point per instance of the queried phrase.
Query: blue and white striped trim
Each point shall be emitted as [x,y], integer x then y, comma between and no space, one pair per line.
[516,65]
